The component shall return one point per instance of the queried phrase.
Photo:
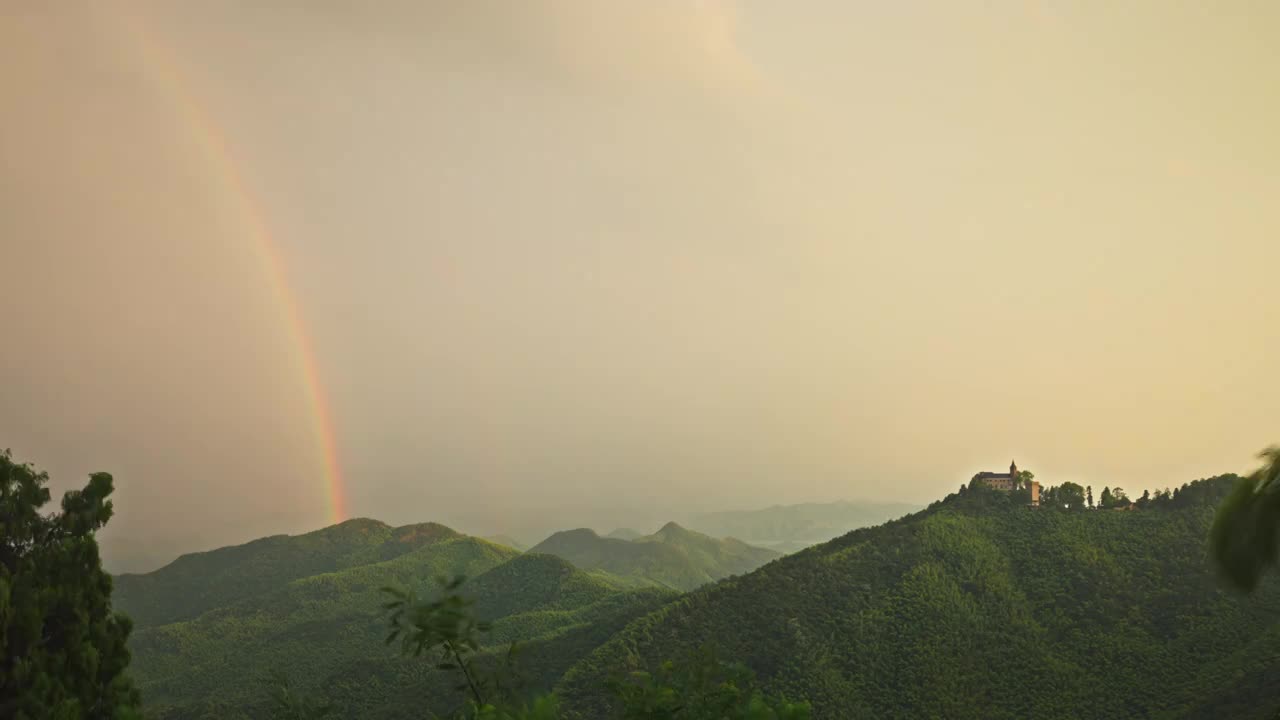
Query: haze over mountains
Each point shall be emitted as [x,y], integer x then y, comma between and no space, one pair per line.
[787,528]
[784,528]
[673,557]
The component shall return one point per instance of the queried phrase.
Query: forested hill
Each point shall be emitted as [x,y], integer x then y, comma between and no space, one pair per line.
[198,582]
[981,608]
[672,557]
[327,632]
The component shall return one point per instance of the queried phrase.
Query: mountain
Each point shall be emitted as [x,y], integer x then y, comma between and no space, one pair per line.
[788,528]
[672,557]
[326,629]
[557,613]
[625,534]
[979,608]
[196,583]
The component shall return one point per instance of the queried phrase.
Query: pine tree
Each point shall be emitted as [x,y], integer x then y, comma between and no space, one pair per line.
[62,649]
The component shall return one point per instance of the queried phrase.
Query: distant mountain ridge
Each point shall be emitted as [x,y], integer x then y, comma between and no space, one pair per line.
[673,557]
[787,528]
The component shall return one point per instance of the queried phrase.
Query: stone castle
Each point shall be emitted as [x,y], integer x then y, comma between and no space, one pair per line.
[1008,482]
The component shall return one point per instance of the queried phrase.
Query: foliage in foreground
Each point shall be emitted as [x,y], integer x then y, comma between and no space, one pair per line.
[62,649]
[1246,530]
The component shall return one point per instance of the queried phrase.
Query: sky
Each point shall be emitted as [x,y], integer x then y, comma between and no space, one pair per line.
[277,263]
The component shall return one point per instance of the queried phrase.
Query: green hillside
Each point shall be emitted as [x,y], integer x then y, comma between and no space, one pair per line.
[979,608]
[557,613]
[672,557]
[198,582]
[326,630]
[308,627]
[720,558]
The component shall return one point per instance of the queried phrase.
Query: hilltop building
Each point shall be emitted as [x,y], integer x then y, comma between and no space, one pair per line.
[1008,482]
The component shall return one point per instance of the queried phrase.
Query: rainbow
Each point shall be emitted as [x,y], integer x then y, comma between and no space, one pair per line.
[217,156]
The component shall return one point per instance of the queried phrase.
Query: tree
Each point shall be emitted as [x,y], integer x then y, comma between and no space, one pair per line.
[1049,496]
[1088,496]
[448,626]
[1106,501]
[1118,497]
[1145,500]
[1070,496]
[62,649]
[1246,528]
[1022,487]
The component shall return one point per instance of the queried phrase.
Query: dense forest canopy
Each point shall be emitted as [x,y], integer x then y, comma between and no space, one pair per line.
[982,607]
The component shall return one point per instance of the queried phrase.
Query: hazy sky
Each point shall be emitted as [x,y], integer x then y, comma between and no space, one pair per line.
[636,255]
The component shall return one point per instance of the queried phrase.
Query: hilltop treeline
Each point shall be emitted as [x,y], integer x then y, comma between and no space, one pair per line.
[979,606]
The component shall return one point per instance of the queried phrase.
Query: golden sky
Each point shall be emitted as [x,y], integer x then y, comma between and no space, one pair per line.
[667,254]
